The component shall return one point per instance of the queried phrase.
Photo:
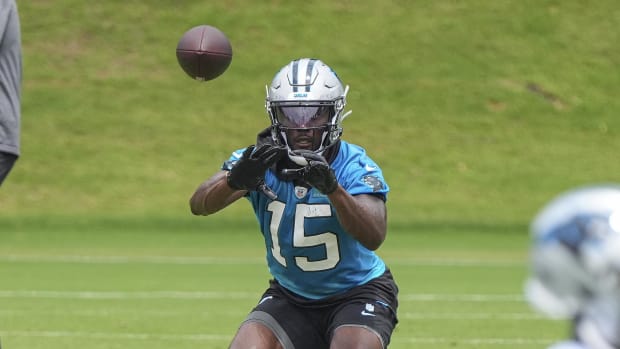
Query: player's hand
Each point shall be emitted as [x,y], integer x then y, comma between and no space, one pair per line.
[318,173]
[248,173]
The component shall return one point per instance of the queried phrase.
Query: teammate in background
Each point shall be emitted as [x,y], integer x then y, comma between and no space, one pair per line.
[320,205]
[10,86]
[575,270]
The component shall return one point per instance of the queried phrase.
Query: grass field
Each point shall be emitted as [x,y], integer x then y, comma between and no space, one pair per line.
[477,111]
[121,287]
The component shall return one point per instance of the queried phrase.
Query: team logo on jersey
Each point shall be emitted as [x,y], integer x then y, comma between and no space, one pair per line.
[300,192]
[373,182]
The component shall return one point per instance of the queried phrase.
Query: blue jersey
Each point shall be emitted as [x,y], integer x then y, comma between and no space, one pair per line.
[308,251]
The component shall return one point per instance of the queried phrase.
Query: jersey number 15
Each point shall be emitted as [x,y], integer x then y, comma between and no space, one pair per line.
[328,240]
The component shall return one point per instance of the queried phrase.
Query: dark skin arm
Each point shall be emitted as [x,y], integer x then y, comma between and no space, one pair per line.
[213,195]
[362,216]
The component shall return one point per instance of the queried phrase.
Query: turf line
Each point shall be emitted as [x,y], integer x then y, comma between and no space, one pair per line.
[222,337]
[413,297]
[86,259]
[116,335]
[471,316]
[108,312]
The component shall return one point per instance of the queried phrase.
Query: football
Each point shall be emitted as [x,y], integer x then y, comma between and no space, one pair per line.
[204,52]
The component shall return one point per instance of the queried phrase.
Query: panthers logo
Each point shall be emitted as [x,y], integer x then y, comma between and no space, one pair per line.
[373,182]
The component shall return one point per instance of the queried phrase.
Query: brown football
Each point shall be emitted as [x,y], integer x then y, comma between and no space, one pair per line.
[204,52]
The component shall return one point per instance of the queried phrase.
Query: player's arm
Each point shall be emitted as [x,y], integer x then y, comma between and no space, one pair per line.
[363,216]
[225,187]
[213,195]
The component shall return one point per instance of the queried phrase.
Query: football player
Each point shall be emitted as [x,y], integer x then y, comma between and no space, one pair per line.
[575,265]
[320,206]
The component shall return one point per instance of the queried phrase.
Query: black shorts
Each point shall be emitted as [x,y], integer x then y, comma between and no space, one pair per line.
[302,323]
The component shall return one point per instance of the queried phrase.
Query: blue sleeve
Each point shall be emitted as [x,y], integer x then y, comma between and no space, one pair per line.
[234,157]
[361,175]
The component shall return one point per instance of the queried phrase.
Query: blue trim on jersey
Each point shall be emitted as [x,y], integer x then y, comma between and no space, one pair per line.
[311,254]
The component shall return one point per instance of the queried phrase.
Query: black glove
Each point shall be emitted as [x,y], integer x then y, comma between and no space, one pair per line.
[318,173]
[248,173]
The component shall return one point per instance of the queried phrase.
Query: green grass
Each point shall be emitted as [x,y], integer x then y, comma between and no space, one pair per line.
[439,90]
[187,288]
[478,112]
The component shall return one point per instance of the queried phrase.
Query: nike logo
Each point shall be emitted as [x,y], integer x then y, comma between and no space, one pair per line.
[365,313]
[265,299]
[369,168]
[237,155]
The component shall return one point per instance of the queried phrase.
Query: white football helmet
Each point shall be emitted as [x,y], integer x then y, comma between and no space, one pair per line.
[304,90]
[575,255]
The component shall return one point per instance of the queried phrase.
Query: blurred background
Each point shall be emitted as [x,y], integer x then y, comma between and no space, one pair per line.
[477,111]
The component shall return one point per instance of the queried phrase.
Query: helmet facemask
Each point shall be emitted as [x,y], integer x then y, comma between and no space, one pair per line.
[313,126]
[306,115]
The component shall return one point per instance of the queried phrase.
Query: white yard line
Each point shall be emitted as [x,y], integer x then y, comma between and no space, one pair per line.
[474,341]
[412,297]
[470,316]
[117,335]
[477,263]
[483,298]
[112,312]
[126,295]
[126,312]
[225,338]
[87,259]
